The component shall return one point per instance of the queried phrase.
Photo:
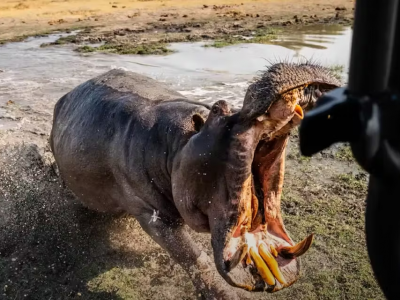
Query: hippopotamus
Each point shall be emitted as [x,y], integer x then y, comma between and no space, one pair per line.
[124,142]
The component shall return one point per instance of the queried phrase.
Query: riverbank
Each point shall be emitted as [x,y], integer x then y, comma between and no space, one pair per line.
[146,27]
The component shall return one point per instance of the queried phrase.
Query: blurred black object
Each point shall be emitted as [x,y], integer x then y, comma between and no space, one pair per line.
[367,114]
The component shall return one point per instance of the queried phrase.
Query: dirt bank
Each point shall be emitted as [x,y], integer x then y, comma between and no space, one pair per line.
[128,25]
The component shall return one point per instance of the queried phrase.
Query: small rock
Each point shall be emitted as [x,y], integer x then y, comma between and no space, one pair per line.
[184,16]
[205,6]
[96,19]
[162,19]
[295,17]
[123,6]
[9,102]
[337,15]
[257,15]
[114,6]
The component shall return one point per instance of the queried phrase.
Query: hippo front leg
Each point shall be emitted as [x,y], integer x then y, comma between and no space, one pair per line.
[176,240]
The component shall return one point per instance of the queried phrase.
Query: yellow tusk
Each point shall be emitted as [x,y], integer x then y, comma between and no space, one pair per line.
[297,250]
[245,250]
[273,251]
[254,206]
[271,263]
[262,267]
[248,259]
[299,111]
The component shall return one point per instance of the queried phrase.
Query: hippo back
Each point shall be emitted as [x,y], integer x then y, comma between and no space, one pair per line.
[142,86]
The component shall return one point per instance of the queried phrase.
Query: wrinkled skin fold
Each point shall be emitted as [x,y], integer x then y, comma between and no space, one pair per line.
[124,142]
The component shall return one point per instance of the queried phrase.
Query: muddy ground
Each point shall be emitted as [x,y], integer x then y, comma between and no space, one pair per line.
[53,248]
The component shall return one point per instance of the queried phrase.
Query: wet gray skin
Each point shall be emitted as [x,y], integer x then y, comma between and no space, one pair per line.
[124,142]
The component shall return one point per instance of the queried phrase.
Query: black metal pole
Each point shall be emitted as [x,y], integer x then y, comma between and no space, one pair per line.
[382,221]
[372,46]
[394,79]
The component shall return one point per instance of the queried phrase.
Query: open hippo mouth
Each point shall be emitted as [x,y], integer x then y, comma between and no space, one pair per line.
[258,253]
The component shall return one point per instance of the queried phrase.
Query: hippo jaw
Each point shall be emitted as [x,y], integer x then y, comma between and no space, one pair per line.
[256,252]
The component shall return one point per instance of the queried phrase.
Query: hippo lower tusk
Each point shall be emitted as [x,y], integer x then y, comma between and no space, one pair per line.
[273,251]
[254,206]
[271,263]
[245,250]
[299,111]
[297,250]
[238,257]
[262,267]
[248,259]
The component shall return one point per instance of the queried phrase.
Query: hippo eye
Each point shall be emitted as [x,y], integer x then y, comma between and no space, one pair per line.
[215,109]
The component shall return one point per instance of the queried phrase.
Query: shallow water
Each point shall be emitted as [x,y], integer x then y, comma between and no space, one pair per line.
[38,77]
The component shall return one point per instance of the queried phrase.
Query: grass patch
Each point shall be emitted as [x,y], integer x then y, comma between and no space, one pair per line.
[60,41]
[86,49]
[337,264]
[145,49]
[296,155]
[261,37]
[344,153]
[351,182]
[71,39]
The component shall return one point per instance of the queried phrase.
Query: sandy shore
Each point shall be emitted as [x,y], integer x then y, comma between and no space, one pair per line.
[194,18]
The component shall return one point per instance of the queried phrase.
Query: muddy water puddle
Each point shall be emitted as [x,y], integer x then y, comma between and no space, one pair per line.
[37,77]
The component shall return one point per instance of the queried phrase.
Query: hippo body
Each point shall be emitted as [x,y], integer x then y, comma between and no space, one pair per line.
[126,143]
[115,139]
[143,126]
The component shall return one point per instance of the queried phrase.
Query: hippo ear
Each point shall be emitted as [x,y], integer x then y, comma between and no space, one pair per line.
[197,122]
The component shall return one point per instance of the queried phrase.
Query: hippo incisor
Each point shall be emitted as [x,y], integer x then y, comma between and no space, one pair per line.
[125,142]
